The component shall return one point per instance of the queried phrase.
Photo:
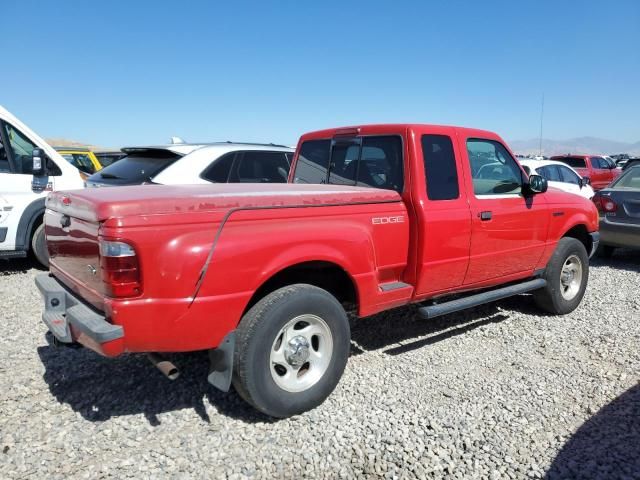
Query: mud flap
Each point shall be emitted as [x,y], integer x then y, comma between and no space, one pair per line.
[221,363]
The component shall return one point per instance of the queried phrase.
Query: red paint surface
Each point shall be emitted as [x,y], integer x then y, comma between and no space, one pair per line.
[441,247]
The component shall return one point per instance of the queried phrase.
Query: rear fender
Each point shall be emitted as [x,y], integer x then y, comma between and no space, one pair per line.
[250,254]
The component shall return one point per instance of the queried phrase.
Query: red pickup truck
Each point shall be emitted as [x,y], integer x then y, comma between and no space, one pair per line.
[262,275]
[598,170]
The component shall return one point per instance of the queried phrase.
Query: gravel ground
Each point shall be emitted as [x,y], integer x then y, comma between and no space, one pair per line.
[500,391]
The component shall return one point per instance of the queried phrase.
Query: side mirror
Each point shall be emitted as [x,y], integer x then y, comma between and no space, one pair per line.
[584,181]
[537,184]
[38,162]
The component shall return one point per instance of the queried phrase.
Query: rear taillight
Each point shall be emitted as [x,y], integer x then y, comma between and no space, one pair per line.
[605,204]
[120,270]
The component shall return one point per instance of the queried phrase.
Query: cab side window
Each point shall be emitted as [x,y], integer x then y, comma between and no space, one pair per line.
[5,166]
[21,149]
[493,170]
[600,163]
[4,159]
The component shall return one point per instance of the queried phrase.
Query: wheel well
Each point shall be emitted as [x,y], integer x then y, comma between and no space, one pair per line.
[580,232]
[325,275]
[31,218]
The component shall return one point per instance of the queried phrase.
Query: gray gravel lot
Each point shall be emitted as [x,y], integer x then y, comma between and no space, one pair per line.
[500,391]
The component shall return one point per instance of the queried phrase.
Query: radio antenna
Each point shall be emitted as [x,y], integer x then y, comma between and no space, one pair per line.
[541,117]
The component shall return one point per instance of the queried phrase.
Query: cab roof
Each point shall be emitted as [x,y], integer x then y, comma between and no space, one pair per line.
[381,128]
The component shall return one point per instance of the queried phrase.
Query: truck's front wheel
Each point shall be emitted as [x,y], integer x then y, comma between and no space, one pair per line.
[39,246]
[567,274]
[291,349]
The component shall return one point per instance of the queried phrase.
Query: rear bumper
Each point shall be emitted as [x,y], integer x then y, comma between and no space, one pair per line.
[619,234]
[70,319]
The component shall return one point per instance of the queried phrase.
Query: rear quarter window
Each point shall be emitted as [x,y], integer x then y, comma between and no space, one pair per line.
[440,167]
[260,167]
[573,162]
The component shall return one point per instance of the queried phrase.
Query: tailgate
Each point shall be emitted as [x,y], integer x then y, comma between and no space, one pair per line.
[74,250]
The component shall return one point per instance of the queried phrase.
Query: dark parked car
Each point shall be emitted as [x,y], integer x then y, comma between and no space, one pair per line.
[619,206]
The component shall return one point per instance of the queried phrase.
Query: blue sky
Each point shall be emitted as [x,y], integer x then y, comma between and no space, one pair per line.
[124,73]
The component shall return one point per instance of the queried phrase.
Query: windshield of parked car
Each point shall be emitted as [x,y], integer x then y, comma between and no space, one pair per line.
[136,167]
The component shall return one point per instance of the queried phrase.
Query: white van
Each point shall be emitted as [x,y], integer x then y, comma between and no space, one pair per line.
[22,193]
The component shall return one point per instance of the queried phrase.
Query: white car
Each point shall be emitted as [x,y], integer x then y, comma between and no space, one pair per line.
[184,163]
[560,175]
[23,189]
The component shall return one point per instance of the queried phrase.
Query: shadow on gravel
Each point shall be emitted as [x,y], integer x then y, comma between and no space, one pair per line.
[18,265]
[100,388]
[403,324]
[622,259]
[607,446]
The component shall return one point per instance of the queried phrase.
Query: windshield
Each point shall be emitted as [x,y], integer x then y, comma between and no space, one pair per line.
[136,168]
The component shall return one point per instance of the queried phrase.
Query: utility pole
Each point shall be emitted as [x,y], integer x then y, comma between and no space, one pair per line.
[541,117]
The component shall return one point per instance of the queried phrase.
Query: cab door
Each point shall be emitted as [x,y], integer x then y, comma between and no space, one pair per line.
[443,217]
[16,180]
[508,229]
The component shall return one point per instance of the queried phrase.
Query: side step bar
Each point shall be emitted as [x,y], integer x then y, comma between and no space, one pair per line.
[432,311]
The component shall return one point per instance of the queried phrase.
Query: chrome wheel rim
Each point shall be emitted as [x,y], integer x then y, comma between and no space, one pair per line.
[571,277]
[301,353]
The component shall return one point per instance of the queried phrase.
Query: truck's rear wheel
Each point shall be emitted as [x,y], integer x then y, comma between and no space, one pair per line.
[39,246]
[291,350]
[567,274]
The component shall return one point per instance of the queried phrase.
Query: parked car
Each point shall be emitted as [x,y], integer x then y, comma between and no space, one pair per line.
[22,193]
[600,171]
[183,163]
[619,207]
[80,157]
[631,162]
[560,175]
[261,275]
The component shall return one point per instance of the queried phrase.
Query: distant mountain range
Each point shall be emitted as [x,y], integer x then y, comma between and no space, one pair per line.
[65,142]
[584,145]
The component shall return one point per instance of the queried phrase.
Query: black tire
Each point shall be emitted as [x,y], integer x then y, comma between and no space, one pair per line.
[39,246]
[258,331]
[551,298]
[605,251]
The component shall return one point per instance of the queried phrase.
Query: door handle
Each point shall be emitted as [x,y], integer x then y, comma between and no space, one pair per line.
[485,216]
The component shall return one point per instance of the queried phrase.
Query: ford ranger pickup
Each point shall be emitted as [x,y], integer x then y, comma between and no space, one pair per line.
[262,275]
[598,170]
